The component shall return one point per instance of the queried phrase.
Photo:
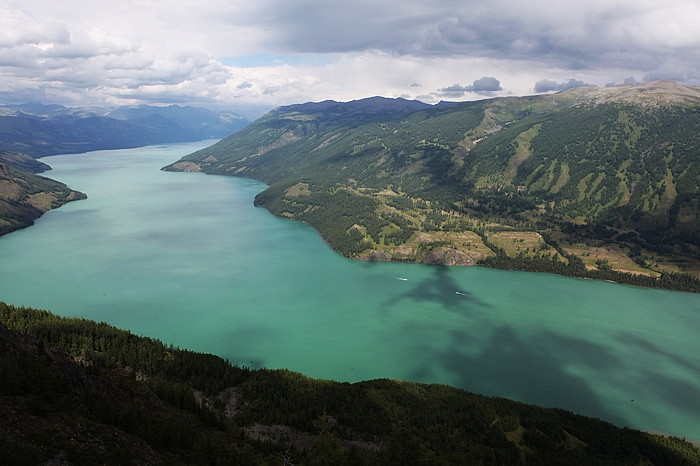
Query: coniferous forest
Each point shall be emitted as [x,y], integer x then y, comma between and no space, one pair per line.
[74,391]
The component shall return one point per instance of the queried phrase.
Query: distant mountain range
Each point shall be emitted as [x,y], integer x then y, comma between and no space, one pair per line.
[595,182]
[39,130]
[32,130]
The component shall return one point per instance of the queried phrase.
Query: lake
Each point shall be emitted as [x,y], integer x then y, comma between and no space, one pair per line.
[187,258]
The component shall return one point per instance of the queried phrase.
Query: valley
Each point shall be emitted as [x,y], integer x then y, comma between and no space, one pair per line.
[350,233]
[199,267]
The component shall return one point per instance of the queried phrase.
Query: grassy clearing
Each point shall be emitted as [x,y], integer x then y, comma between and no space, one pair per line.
[299,189]
[466,245]
[522,152]
[682,265]
[529,243]
[562,180]
[466,242]
[42,201]
[612,255]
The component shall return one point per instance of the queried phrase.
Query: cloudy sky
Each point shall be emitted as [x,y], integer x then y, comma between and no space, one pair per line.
[250,56]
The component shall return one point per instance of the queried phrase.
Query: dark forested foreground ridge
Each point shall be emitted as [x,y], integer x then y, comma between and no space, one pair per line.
[73,391]
[591,182]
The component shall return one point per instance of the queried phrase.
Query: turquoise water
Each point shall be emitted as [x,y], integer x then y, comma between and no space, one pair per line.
[186,258]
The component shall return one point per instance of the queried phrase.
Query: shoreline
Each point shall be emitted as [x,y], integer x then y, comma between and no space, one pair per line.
[373,255]
[667,281]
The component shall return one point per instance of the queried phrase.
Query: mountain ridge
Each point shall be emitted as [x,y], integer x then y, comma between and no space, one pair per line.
[652,93]
[40,130]
[370,105]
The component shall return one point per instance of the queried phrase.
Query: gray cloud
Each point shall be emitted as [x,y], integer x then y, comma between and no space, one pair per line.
[485,85]
[545,85]
[593,35]
[628,81]
[115,50]
[596,32]
[672,72]
[453,91]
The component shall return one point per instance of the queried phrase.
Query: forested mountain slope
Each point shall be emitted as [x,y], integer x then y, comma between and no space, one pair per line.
[589,182]
[23,162]
[74,391]
[24,197]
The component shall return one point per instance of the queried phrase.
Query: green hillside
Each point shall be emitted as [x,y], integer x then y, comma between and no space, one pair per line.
[601,183]
[23,162]
[73,391]
[24,196]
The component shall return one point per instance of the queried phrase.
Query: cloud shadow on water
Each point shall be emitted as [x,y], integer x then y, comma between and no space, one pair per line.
[513,367]
[652,348]
[440,287]
[668,376]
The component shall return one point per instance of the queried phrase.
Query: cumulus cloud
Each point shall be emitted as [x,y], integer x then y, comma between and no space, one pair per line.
[19,29]
[65,64]
[485,85]
[112,51]
[455,90]
[545,85]
[635,33]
